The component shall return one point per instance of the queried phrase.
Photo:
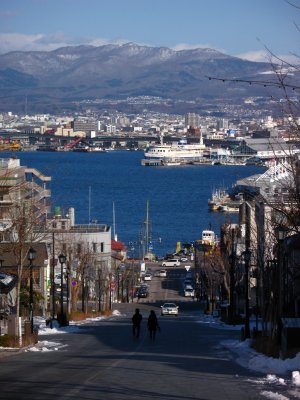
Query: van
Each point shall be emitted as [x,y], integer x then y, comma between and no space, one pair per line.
[173,262]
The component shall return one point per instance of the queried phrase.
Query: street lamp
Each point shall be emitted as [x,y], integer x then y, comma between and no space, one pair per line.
[280,232]
[53,280]
[62,259]
[31,256]
[67,278]
[232,275]
[247,257]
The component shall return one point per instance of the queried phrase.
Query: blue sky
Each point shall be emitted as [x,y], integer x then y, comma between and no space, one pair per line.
[236,27]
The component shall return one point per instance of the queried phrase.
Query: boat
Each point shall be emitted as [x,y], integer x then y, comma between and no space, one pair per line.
[221,201]
[209,242]
[176,152]
[10,145]
[230,208]
[96,149]
[171,162]
[219,197]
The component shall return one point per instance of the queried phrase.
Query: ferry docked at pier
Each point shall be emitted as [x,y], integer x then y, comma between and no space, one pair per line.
[183,153]
[176,151]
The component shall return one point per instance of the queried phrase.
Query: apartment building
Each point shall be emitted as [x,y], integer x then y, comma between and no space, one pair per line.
[24,205]
[192,120]
[22,190]
[84,125]
[87,248]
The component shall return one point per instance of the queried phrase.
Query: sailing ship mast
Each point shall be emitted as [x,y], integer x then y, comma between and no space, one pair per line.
[114,223]
[89,204]
[147,228]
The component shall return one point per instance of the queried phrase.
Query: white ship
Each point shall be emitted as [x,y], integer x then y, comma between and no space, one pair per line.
[176,151]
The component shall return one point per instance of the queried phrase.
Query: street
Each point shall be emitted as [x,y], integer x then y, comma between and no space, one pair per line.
[104,361]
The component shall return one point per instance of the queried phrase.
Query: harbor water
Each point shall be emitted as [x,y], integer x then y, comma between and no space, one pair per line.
[96,183]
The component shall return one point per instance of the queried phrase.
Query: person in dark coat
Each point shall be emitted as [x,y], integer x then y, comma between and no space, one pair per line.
[152,325]
[136,323]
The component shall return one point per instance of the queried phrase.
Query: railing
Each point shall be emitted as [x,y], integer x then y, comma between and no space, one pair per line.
[90,228]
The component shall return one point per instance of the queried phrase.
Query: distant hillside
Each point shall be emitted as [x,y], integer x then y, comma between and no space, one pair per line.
[112,71]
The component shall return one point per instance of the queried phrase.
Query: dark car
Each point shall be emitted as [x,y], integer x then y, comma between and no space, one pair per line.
[142,293]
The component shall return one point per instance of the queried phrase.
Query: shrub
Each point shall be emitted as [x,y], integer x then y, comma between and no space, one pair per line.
[266,346]
[79,315]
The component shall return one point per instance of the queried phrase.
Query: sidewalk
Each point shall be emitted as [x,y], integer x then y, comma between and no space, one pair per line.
[7,352]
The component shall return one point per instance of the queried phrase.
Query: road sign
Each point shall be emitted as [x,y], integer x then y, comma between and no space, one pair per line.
[187,267]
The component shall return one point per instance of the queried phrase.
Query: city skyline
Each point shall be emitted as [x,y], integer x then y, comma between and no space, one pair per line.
[242,29]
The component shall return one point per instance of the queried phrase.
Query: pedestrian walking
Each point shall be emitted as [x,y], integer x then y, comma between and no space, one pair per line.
[136,323]
[152,325]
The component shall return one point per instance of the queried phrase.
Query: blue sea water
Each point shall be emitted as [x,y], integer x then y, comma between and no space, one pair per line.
[177,195]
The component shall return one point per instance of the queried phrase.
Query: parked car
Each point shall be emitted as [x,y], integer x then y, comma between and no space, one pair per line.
[169,309]
[183,259]
[162,273]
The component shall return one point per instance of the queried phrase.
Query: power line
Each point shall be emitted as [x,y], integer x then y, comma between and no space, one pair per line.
[254,82]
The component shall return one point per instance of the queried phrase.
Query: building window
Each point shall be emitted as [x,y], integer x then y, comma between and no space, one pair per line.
[102,247]
[63,224]
[78,248]
[94,247]
[54,225]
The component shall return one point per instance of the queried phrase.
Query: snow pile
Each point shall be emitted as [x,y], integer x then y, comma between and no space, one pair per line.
[45,346]
[249,358]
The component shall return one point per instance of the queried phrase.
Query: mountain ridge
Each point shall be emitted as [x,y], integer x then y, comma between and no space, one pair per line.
[76,73]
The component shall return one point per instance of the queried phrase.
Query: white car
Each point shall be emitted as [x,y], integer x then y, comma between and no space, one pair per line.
[183,259]
[189,291]
[172,262]
[147,277]
[162,273]
[169,309]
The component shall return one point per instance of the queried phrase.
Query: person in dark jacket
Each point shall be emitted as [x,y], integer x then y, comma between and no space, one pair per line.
[136,323]
[152,324]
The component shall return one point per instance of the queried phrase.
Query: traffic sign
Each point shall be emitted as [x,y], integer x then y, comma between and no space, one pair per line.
[187,267]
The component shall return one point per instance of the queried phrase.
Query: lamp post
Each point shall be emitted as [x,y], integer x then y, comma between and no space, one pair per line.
[247,257]
[31,257]
[232,260]
[67,277]
[53,280]
[280,232]
[110,283]
[62,260]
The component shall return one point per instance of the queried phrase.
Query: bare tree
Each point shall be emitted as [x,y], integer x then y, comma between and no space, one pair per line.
[23,214]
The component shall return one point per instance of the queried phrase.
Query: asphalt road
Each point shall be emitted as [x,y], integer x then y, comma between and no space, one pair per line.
[104,361]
